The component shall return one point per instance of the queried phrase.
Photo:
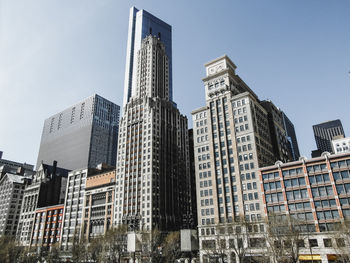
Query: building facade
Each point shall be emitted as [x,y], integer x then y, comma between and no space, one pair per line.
[74,203]
[315,194]
[341,145]
[278,133]
[99,204]
[153,154]
[47,188]
[142,24]
[7,166]
[82,135]
[192,213]
[47,227]
[324,134]
[232,139]
[291,136]
[11,195]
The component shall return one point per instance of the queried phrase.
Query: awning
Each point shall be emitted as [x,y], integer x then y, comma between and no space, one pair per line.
[309,257]
[332,257]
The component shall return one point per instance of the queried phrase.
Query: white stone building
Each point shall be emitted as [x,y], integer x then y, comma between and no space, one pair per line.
[11,194]
[232,139]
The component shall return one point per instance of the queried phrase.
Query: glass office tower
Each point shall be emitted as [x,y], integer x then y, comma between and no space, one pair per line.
[325,132]
[83,135]
[142,24]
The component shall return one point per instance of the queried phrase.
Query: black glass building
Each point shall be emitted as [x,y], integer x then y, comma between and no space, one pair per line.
[325,132]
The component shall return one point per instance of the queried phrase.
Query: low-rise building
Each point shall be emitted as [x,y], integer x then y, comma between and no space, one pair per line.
[47,226]
[315,194]
[46,189]
[99,204]
[74,203]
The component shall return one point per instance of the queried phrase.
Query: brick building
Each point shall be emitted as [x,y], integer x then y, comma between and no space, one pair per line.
[47,226]
[315,193]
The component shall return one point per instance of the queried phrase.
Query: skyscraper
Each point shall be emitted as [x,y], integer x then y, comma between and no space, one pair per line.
[232,139]
[153,155]
[82,135]
[291,137]
[142,24]
[278,134]
[325,132]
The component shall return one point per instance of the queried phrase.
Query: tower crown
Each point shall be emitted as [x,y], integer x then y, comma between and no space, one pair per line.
[152,69]
[217,65]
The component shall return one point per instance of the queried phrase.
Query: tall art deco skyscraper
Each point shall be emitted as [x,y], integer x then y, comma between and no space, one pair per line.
[142,24]
[152,180]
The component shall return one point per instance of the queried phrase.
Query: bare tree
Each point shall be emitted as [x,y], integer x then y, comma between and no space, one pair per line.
[239,242]
[283,236]
[171,247]
[342,238]
[239,235]
[79,249]
[95,249]
[53,254]
[114,243]
[152,244]
[9,251]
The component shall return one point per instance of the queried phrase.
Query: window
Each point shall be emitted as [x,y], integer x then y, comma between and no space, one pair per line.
[313,243]
[327,242]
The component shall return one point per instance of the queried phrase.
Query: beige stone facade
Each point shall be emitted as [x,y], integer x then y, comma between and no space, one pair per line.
[98,204]
[232,139]
[152,182]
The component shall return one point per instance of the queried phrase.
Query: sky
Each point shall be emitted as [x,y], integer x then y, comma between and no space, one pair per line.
[55,53]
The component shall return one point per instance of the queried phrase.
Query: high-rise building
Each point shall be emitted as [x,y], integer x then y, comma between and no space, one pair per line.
[153,154]
[324,134]
[83,135]
[232,139]
[279,140]
[192,212]
[11,194]
[47,188]
[142,24]
[291,137]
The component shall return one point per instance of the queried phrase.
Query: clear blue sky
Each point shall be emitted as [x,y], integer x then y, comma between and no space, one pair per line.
[55,53]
